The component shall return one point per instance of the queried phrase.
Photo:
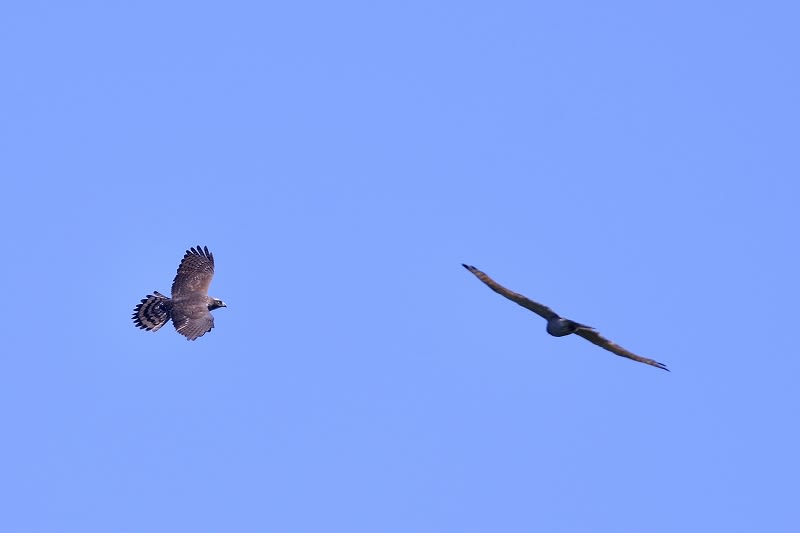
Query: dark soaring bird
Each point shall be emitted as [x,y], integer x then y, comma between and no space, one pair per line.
[558,326]
[190,306]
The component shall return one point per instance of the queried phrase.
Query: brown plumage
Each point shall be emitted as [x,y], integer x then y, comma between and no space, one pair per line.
[190,306]
[558,326]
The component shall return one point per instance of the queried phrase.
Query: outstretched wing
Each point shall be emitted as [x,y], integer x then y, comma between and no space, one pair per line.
[594,337]
[194,273]
[192,321]
[541,310]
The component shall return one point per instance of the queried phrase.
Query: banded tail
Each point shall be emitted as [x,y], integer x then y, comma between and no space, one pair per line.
[153,312]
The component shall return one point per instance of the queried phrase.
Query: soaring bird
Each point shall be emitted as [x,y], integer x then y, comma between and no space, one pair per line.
[558,326]
[190,306]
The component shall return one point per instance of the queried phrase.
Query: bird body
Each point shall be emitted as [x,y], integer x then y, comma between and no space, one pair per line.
[558,326]
[190,306]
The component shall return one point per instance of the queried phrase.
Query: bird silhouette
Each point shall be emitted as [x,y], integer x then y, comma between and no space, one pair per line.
[558,326]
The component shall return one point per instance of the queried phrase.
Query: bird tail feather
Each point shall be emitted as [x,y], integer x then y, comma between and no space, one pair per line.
[153,312]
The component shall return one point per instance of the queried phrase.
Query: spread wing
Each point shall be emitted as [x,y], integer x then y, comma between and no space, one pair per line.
[192,321]
[541,310]
[594,337]
[194,273]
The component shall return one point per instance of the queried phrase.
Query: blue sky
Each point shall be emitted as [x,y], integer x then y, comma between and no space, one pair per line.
[633,165]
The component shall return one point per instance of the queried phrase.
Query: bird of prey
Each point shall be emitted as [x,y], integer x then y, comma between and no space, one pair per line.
[558,326]
[190,306]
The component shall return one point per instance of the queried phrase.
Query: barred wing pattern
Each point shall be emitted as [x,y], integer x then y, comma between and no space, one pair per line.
[192,322]
[194,273]
[190,306]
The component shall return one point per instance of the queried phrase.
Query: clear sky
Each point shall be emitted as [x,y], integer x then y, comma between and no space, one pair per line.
[634,165]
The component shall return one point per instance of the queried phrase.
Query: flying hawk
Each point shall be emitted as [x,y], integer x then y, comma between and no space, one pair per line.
[190,306]
[559,327]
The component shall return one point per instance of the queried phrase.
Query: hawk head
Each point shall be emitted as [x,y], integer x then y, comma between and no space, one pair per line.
[213,303]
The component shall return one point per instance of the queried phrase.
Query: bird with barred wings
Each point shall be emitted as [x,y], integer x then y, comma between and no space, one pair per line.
[190,306]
